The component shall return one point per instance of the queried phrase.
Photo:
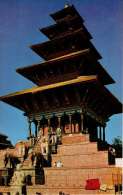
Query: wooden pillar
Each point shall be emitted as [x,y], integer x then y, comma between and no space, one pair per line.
[82,122]
[30,130]
[59,121]
[43,130]
[48,122]
[70,119]
[100,133]
[36,127]
[104,133]
[49,132]
[4,181]
[62,125]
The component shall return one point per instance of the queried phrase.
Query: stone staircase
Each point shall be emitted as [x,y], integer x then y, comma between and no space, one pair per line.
[35,149]
[81,160]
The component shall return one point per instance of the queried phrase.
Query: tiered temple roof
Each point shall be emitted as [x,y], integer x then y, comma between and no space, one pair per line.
[69,42]
[4,142]
[69,109]
[70,76]
[83,61]
[65,14]
[60,28]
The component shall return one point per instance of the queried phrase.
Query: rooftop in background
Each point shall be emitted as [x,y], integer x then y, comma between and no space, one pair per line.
[4,142]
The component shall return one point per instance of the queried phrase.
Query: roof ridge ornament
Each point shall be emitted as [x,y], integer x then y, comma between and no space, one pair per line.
[67,4]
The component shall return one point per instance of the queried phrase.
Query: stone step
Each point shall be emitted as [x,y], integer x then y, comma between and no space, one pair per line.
[36,149]
[77,177]
[79,160]
[75,138]
[77,148]
[46,190]
[4,189]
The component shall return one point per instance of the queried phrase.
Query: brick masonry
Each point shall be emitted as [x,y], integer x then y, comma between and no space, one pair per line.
[80,159]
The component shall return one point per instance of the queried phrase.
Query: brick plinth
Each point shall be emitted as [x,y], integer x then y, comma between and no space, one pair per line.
[75,138]
[56,177]
[77,148]
[80,160]
[44,190]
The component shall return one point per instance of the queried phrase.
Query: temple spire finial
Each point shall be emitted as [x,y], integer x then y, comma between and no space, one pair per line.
[67,4]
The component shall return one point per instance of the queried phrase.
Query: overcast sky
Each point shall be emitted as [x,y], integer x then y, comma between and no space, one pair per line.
[20,21]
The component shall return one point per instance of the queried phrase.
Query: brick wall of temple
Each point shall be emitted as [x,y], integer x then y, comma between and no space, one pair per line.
[80,160]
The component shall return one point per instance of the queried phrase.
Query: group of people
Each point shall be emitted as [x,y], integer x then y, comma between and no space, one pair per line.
[9,161]
[111,155]
[36,159]
[51,138]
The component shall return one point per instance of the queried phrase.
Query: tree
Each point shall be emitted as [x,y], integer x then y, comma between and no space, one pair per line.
[117,144]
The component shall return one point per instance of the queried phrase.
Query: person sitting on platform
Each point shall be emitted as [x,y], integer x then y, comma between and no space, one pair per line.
[58,133]
[44,146]
[59,164]
[54,164]
[112,155]
[53,137]
[40,133]
[112,151]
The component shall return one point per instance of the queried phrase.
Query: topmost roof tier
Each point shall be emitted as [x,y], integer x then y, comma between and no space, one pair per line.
[68,12]
[63,26]
[67,19]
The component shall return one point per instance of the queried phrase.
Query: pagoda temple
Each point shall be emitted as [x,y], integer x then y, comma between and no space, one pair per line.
[70,107]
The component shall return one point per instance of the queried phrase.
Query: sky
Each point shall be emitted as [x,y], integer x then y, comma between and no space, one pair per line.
[20,21]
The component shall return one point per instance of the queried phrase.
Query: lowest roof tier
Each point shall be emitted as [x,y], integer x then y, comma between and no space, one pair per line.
[84,90]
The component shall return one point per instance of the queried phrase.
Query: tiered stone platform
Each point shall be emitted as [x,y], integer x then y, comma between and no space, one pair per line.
[80,161]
